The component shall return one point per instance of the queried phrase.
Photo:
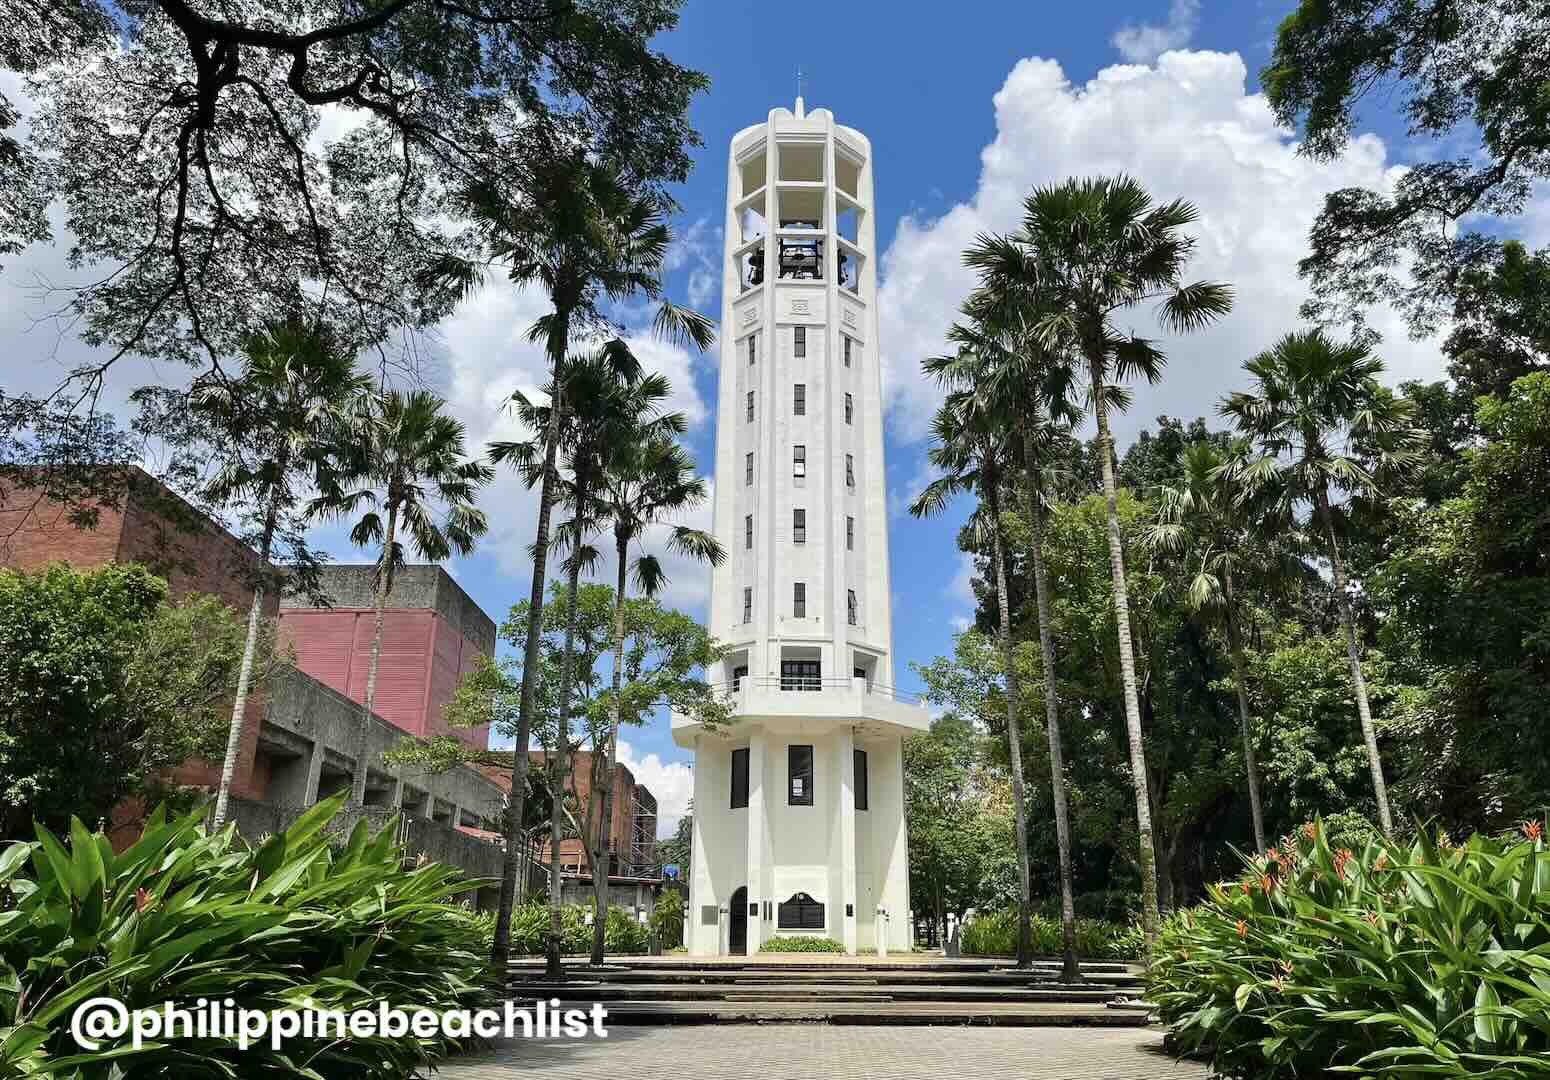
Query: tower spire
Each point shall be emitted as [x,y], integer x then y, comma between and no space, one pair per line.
[801,106]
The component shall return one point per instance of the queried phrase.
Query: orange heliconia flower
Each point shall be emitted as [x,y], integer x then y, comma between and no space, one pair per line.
[1267,883]
[1310,830]
[1372,917]
[1243,929]
[1533,830]
[143,900]
[1381,862]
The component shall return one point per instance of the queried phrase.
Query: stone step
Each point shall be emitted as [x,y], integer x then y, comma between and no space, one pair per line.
[633,1013]
[834,991]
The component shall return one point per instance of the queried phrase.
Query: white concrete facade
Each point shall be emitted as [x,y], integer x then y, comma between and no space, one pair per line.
[816,832]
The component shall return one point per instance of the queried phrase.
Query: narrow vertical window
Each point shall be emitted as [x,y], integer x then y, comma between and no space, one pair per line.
[799,600]
[851,613]
[850,534]
[799,461]
[860,781]
[847,352]
[799,343]
[752,348]
[799,526]
[799,771]
[799,399]
[740,779]
[739,673]
[850,470]
[747,604]
[750,406]
[850,408]
[748,532]
[748,469]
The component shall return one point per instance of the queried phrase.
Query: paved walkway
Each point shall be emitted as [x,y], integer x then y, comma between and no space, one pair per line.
[762,1051]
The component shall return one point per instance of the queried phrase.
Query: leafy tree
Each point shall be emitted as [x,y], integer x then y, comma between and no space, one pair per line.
[678,849]
[404,459]
[1501,322]
[1324,424]
[1087,250]
[647,480]
[588,239]
[185,147]
[97,667]
[1034,389]
[279,418]
[947,802]
[971,451]
[1466,74]
[1211,529]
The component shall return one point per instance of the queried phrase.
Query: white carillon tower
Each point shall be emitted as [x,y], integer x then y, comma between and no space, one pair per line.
[799,802]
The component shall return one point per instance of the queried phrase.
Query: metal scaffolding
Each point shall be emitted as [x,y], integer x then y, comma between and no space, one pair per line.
[642,857]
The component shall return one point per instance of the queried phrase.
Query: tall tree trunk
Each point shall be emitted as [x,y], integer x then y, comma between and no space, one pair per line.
[554,940]
[1147,853]
[1070,971]
[500,951]
[1234,642]
[1013,732]
[562,750]
[384,584]
[600,865]
[1353,650]
[239,706]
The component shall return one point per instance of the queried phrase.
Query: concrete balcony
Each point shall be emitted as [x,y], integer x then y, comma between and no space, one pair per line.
[797,699]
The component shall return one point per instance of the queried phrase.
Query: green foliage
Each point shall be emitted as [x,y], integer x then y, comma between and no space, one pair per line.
[183,914]
[667,918]
[801,943]
[994,933]
[97,667]
[530,929]
[1398,959]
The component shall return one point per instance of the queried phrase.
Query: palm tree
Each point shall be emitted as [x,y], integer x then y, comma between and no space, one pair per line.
[276,415]
[1207,522]
[406,459]
[1087,250]
[1040,413]
[971,450]
[606,412]
[585,238]
[1323,422]
[647,481]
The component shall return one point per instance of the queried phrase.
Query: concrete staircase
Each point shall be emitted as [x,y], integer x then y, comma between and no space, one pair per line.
[840,990]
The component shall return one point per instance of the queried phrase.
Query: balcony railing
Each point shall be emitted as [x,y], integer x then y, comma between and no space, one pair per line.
[813,683]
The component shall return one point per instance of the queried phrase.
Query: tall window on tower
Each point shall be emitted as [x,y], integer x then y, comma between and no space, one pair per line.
[753,348]
[799,600]
[799,773]
[799,399]
[799,526]
[747,604]
[850,470]
[799,342]
[748,469]
[799,461]
[850,408]
[739,778]
[850,534]
[847,352]
[748,532]
[860,781]
[851,612]
[750,406]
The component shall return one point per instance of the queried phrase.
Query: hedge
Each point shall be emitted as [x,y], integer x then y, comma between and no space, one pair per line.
[995,934]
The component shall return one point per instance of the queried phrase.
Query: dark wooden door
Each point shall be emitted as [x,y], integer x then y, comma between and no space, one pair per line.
[737,930]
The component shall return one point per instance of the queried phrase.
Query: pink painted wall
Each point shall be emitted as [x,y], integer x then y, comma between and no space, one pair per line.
[423,660]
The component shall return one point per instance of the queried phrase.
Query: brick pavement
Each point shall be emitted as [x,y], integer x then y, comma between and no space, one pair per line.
[835,1052]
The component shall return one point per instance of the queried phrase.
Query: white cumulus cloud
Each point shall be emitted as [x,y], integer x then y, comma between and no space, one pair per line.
[1184,126]
[1141,43]
[671,782]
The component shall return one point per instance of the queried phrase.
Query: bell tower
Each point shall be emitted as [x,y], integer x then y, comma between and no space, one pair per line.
[800,825]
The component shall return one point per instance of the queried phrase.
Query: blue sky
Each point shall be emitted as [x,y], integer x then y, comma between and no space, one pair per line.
[965,115]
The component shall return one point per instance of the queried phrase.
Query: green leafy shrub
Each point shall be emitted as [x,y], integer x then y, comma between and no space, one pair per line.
[1403,959]
[624,935]
[995,934]
[183,915]
[801,943]
[667,918]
